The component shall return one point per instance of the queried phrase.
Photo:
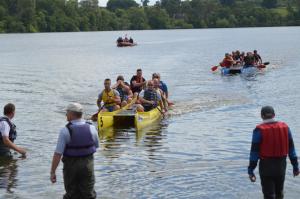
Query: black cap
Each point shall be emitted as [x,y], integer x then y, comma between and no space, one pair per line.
[267,112]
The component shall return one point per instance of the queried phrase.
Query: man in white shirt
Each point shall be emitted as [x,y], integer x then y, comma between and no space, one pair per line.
[8,133]
[77,142]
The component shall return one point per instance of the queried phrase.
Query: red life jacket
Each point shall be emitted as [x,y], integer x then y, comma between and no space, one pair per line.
[275,140]
[226,63]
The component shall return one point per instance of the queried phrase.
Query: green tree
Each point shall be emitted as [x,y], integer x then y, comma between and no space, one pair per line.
[227,2]
[138,19]
[145,3]
[269,3]
[158,18]
[222,23]
[120,4]
[171,6]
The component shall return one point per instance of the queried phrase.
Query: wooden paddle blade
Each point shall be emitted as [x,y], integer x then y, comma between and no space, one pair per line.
[261,66]
[171,104]
[214,68]
[94,117]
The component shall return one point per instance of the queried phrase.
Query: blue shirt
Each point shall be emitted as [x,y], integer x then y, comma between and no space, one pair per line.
[163,87]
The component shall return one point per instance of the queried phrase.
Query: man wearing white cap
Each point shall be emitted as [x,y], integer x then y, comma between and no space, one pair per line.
[77,142]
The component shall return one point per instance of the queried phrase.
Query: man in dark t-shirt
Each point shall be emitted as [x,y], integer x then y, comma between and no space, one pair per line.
[137,82]
[257,57]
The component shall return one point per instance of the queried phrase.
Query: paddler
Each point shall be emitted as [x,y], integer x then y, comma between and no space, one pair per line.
[137,82]
[249,60]
[257,58]
[110,97]
[149,98]
[125,92]
[227,61]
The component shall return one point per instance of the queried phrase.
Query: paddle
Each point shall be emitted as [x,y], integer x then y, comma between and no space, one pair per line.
[263,65]
[214,68]
[94,117]
[160,111]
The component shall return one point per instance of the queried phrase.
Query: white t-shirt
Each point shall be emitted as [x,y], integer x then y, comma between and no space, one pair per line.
[4,129]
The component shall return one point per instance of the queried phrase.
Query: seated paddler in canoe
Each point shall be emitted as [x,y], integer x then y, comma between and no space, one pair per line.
[124,90]
[109,99]
[150,98]
[164,88]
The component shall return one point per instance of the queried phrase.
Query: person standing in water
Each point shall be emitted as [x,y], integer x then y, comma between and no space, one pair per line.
[272,142]
[8,132]
[77,142]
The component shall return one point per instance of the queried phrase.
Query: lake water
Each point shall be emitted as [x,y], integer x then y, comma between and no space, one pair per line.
[200,151]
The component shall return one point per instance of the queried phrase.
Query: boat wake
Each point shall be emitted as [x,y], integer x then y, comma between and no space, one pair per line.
[206,103]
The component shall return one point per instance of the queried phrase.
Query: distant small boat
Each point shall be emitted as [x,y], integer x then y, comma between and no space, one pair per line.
[125,44]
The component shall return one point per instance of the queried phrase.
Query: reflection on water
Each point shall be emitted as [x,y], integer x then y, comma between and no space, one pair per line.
[8,174]
[115,141]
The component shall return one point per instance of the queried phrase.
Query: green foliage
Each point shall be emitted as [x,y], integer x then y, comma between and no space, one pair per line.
[158,18]
[86,15]
[269,3]
[120,4]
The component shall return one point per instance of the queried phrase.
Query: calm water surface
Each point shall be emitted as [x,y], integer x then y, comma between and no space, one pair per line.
[200,151]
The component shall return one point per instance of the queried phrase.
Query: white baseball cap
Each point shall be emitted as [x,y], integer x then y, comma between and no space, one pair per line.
[75,107]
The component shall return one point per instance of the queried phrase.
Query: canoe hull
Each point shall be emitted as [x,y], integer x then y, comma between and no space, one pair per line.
[126,44]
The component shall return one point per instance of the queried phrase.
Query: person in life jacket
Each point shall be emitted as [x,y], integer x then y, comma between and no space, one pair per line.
[130,40]
[77,142]
[137,82]
[149,98]
[8,133]
[161,93]
[124,90]
[257,57]
[110,97]
[163,86]
[249,60]
[272,142]
[227,61]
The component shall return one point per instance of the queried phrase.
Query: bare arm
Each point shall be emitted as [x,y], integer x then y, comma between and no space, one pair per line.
[117,99]
[13,146]
[146,101]
[135,84]
[55,163]
[130,94]
[116,85]
[128,90]
[99,102]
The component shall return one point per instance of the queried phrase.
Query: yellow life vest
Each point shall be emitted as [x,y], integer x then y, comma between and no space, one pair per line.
[105,98]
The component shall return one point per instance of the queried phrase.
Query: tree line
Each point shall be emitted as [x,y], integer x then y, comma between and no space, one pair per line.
[86,15]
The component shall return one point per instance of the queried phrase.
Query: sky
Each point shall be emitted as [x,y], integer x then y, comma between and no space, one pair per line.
[103,2]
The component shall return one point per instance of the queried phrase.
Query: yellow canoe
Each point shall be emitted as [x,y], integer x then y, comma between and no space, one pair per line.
[106,119]
[144,119]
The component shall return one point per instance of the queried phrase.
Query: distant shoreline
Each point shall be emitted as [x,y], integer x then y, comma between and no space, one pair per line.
[119,15]
[171,29]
